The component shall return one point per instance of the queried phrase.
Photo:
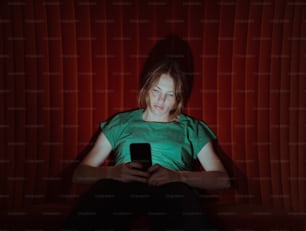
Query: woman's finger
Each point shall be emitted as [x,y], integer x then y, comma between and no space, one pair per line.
[154,168]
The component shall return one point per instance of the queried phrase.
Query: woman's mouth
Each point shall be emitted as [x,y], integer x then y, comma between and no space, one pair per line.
[159,107]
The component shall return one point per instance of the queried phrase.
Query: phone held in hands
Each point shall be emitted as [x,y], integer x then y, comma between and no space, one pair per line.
[141,153]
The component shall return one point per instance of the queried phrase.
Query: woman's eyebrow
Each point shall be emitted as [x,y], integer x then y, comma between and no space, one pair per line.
[159,88]
[170,91]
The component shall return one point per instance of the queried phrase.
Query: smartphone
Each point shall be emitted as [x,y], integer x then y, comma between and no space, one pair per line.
[141,153]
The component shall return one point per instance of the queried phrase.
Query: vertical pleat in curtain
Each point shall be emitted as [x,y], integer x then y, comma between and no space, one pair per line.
[67,65]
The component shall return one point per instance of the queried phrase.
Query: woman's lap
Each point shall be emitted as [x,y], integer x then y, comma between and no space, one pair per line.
[113,204]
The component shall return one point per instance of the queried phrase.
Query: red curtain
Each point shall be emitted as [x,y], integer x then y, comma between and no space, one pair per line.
[67,65]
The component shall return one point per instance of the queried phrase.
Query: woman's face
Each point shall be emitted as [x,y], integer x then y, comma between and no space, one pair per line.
[162,96]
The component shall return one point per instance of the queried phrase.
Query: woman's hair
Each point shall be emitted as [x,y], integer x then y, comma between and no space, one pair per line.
[170,67]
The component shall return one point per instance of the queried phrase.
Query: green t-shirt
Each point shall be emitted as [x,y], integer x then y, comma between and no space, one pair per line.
[174,145]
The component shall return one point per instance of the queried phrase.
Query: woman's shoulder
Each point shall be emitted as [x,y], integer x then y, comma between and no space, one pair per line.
[195,125]
[120,120]
[184,118]
[125,116]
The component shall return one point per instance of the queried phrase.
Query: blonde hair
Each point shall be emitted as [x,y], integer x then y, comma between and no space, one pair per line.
[170,67]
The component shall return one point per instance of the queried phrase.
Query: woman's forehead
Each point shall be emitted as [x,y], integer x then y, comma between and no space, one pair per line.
[165,81]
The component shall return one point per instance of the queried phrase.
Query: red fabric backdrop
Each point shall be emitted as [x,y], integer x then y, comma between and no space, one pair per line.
[67,65]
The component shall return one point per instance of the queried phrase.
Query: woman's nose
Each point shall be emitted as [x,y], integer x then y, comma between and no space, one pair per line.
[162,97]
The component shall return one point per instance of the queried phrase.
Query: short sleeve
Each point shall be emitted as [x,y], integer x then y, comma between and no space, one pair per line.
[111,128]
[199,134]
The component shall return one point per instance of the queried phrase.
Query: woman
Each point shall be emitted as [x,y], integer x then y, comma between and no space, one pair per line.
[165,191]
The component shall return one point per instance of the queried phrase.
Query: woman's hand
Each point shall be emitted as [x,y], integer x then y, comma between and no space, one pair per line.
[161,175]
[129,172]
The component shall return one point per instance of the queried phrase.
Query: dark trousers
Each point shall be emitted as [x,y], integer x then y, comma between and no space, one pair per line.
[112,205]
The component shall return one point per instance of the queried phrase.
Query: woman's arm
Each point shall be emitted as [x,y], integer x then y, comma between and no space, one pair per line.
[206,180]
[89,169]
[214,176]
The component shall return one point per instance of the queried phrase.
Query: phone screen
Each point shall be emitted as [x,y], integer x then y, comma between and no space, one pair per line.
[141,153]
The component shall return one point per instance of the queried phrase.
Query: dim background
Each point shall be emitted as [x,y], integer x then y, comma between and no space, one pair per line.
[65,66]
